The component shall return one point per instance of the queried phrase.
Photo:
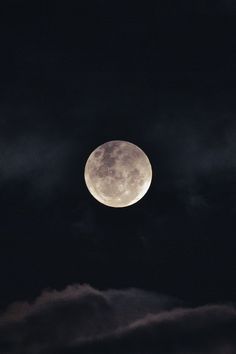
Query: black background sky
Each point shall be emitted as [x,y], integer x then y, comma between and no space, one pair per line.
[161,75]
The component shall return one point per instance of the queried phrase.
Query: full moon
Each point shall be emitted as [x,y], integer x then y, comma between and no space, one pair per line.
[118,174]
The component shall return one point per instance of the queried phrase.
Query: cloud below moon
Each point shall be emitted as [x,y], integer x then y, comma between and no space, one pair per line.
[85,320]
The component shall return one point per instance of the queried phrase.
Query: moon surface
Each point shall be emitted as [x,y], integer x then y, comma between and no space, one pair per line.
[118,174]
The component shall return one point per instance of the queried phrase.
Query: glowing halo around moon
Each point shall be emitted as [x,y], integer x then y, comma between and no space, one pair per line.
[118,174]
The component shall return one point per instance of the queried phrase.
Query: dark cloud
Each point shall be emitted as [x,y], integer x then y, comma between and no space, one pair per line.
[201,149]
[207,329]
[198,145]
[37,160]
[81,319]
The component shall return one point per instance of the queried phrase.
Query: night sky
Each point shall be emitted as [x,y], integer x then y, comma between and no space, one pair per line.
[79,277]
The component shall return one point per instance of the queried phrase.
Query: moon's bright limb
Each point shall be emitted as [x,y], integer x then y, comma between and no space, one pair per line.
[118,173]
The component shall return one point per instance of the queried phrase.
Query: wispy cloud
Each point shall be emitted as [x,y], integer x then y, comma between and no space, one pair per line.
[85,320]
